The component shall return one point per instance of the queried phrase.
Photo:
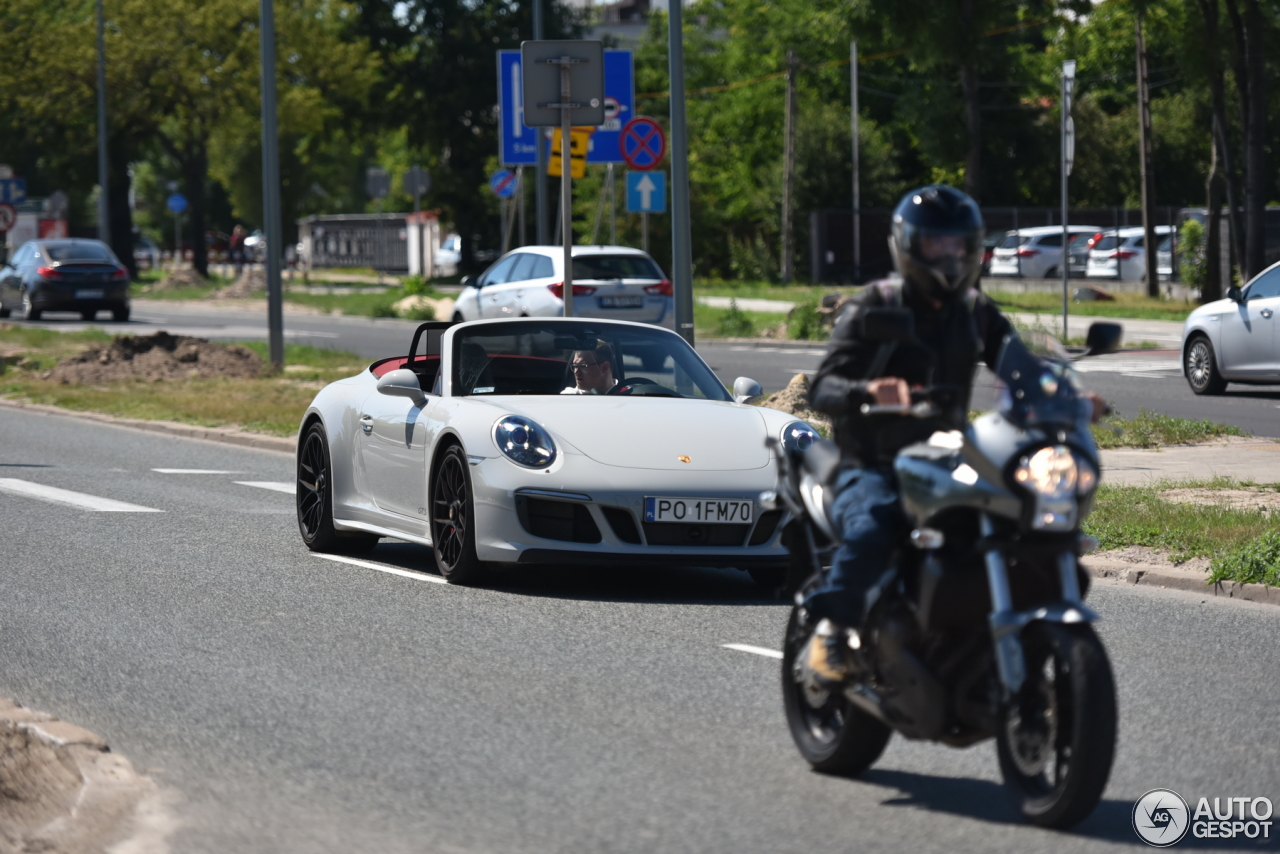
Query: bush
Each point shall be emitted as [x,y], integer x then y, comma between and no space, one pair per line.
[383,308]
[416,286]
[735,323]
[1191,253]
[422,312]
[1256,562]
[804,323]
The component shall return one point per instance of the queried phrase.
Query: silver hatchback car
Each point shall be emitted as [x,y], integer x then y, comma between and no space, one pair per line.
[1235,339]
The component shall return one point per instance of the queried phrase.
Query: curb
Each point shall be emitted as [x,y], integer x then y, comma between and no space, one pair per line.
[768,343]
[1181,579]
[222,435]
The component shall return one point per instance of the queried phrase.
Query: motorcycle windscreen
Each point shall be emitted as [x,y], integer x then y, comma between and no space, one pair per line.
[1039,384]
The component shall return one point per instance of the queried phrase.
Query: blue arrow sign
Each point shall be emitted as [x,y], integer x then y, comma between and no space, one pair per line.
[517,143]
[647,192]
[13,190]
[177,203]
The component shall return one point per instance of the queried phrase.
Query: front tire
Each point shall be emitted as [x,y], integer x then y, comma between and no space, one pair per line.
[453,520]
[832,734]
[120,315]
[1056,741]
[1202,368]
[315,499]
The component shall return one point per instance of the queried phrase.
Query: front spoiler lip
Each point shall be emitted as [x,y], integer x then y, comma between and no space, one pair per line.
[580,558]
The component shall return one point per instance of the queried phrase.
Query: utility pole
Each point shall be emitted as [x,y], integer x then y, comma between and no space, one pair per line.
[857,183]
[1145,147]
[104,209]
[681,227]
[789,172]
[271,183]
[1068,157]
[540,176]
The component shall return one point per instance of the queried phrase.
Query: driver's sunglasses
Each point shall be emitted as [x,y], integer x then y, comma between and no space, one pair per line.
[582,366]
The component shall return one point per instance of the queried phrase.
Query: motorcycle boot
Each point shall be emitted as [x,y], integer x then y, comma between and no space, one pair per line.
[828,658]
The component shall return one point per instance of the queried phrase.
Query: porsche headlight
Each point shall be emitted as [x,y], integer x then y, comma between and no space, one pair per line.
[524,442]
[798,436]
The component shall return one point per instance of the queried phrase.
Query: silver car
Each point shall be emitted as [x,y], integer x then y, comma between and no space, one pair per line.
[1234,339]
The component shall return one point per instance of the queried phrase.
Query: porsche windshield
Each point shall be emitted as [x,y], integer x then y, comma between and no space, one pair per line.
[558,357]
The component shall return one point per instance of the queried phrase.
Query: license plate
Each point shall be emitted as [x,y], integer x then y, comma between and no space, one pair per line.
[621,302]
[701,510]
[89,294]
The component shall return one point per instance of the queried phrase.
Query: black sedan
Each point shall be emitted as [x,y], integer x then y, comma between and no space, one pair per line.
[83,276]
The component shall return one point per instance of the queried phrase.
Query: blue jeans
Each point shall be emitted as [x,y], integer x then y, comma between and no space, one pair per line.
[871,523]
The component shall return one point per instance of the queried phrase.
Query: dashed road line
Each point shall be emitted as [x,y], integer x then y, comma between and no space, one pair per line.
[390,570]
[194,471]
[67,498]
[754,650]
[274,486]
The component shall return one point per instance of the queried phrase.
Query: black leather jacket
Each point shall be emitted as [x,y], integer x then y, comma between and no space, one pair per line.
[952,339]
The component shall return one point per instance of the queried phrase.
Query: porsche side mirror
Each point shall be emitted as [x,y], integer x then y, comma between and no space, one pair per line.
[745,388]
[1234,294]
[402,383]
[1103,338]
[468,282]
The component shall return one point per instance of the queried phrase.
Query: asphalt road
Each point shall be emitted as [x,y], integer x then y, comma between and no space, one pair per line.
[1133,380]
[295,704]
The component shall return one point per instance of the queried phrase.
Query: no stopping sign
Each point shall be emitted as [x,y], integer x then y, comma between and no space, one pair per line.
[643,143]
[8,216]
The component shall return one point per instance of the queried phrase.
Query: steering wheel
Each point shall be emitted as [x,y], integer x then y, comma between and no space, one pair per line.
[627,385]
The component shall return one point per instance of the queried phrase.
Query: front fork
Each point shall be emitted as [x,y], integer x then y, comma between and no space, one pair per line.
[1007,624]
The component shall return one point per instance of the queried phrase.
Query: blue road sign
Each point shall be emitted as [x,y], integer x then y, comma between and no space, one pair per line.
[503,183]
[517,142]
[13,190]
[177,203]
[647,192]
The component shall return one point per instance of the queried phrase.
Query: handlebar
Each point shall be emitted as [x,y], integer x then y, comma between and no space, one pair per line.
[924,402]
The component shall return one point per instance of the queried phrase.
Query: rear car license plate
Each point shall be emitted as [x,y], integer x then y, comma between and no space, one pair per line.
[89,294]
[621,302]
[702,510]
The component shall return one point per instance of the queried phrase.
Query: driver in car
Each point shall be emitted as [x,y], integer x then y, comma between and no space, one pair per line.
[592,370]
[937,245]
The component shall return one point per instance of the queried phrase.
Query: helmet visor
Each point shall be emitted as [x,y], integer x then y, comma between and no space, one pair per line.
[951,256]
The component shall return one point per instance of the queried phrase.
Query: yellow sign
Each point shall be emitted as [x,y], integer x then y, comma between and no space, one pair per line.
[579,139]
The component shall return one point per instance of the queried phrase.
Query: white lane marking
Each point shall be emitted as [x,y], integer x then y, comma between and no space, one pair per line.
[290,488]
[390,570]
[194,471]
[71,499]
[754,650]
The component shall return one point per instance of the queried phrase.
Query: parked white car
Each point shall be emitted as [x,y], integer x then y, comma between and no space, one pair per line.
[1034,253]
[1234,339]
[611,282]
[1121,254]
[473,442]
[448,256]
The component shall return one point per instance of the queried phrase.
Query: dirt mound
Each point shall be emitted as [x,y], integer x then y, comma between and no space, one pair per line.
[179,279]
[795,400]
[158,357]
[252,283]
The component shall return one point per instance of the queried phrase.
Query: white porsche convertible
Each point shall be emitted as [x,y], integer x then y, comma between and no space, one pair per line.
[526,441]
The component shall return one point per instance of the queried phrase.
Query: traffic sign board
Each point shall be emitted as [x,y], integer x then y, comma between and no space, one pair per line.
[643,143]
[503,183]
[519,142]
[647,192]
[579,143]
[417,181]
[8,216]
[13,190]
[177,203]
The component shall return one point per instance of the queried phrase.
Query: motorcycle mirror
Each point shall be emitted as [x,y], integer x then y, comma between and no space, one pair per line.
[1103,338]
[884,325]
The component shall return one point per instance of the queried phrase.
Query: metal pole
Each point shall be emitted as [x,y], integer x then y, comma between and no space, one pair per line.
[857,183]
[520,193]
[271,183]
[789,168]
[644,232]
[566,190]
[104,209]
[540,177]
[1066,260]
[613,208]
[681,228]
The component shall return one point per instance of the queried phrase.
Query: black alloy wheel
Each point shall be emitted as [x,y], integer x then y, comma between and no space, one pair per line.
[832,734]
[1202,368]
[1056,740]
[5,312]
[88,315]
[120,315]
[453,520]
[315,500]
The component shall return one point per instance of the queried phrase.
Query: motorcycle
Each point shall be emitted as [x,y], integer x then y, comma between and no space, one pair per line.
[979,630]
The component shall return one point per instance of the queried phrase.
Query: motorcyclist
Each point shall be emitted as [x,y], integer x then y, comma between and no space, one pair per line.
[937,244]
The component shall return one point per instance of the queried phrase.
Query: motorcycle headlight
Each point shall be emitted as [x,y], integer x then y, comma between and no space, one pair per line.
[798,436]
[1050,473]
[524,442]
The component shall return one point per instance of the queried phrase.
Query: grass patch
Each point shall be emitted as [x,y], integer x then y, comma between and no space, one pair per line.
[1152,429]
[306,356]
[733,322]
[1242,544]
[1125,305]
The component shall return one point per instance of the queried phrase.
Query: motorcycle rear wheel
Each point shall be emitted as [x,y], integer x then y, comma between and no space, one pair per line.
[1057,740]
[835,737]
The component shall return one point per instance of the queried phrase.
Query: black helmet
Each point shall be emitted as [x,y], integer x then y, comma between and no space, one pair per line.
[936,241]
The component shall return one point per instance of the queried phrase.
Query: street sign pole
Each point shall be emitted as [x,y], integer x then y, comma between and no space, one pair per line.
[566,186]
[104,209]
[540,179]
[1068,84]
[644,232]
[681,228]
[271,183]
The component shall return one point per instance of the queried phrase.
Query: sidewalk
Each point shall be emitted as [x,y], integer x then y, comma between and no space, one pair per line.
[1250,459]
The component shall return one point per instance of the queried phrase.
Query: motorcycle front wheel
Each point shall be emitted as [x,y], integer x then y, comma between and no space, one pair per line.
[832,734]
[1056,740]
